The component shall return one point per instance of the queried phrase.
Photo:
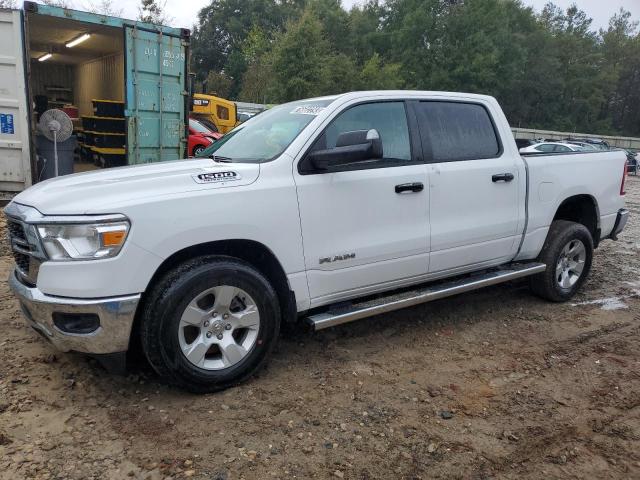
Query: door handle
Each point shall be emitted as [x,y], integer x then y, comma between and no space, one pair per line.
[502,177]
[409,187]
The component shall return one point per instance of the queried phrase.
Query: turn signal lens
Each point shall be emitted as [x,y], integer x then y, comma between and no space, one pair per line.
[113,239]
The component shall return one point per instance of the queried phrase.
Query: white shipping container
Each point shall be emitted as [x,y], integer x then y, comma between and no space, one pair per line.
[15,156]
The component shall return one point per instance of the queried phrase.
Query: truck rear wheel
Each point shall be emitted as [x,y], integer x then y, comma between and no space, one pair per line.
[210,323]
[567,252]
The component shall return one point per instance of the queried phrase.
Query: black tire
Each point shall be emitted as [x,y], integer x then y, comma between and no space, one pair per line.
[197,150]
[560,234]
[168,299]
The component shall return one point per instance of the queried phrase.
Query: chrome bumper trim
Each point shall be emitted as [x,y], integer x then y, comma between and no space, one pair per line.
[116,318]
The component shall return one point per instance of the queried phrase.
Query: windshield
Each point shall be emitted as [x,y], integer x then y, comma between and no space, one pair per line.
[265,136]
[197,126]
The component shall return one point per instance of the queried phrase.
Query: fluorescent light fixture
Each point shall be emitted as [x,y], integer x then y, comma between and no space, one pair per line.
[79,40]
[45,57]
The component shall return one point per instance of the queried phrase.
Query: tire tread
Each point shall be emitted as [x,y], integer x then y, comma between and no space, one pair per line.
[560,232]
[155,307]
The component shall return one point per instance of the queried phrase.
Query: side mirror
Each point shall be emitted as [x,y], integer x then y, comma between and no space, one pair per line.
[351,147]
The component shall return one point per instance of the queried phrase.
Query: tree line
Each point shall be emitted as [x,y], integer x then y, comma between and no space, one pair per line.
[549,70]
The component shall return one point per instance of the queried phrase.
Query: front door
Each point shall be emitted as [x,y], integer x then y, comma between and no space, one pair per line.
[359,231]
[475,186]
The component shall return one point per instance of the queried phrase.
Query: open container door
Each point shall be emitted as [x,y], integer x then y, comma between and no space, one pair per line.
[155,104]
[15,146]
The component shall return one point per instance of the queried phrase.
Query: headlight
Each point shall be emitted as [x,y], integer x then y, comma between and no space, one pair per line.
[83,241]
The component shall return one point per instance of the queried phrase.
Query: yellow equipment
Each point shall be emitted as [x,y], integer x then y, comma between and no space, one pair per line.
[214,111]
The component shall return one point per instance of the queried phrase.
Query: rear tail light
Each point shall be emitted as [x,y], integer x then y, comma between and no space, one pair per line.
[624,176]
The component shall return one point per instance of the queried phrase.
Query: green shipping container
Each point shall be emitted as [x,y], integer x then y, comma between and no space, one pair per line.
[155,104]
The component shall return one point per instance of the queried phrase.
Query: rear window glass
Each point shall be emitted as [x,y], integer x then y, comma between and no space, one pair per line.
[545,147]
[457,131]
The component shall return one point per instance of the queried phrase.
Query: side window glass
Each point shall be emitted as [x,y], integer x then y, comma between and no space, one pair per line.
[388,118]
[545,147]
[222,112]
[456,131]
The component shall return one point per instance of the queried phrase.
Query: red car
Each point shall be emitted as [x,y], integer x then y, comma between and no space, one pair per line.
[200,137]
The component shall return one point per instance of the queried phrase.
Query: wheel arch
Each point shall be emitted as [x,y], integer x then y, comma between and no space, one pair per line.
[583,209]
[255,253]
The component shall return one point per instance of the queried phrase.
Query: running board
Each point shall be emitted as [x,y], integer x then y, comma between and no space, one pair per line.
[348,313]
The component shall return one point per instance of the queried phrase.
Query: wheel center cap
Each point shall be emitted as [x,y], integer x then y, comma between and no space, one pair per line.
[217,327]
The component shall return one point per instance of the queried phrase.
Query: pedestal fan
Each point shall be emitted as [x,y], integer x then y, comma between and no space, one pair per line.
[56,126]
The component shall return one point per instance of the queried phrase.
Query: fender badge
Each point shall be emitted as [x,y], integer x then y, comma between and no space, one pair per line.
[216,177]
[337,258]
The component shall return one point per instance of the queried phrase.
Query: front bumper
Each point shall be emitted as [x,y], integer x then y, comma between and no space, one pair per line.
[621,222]
[116,319]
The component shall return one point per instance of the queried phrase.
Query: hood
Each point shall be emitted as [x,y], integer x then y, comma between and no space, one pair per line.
[103,190]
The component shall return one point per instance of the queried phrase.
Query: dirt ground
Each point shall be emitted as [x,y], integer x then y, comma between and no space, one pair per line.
[532,389]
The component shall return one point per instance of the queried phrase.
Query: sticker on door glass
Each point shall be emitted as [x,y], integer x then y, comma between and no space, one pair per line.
[308,109]
[6,123]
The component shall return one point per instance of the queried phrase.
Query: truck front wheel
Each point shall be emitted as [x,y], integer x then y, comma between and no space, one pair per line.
[567,252]
[210,323]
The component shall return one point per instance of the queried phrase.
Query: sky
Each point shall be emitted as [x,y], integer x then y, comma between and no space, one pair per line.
[185,12]
[599,10]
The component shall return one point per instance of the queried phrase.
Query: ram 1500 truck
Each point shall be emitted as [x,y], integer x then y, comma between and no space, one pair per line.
[325,210]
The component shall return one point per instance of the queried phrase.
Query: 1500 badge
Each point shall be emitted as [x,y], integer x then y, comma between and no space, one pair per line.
[216,177]
[338,258]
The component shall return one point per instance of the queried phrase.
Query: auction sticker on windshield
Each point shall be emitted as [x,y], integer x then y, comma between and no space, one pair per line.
[308,109]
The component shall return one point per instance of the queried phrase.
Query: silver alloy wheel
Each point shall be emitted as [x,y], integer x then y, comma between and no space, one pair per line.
[219,327]
[198,150]
[571,263]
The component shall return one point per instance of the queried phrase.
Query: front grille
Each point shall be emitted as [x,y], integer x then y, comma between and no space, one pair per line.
[16,231]
[22,261]
[19,246]
[25,254]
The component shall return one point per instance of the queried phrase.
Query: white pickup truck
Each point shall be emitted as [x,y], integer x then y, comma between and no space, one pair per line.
[329,210]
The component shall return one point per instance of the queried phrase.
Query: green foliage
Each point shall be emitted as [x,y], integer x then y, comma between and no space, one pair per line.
[334,21]
[299,67]
[223,27]
[621,51]
[217,84]
[257,75]
[377,76]
[549,70]
[153,11]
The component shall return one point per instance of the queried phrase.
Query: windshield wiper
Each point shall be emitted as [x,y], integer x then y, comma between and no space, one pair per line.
[219,159]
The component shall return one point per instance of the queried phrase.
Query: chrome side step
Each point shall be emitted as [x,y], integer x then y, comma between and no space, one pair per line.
[343,314]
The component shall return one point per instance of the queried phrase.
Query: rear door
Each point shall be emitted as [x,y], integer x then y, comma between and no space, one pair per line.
[474,186]
[15,157]
[155,79]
